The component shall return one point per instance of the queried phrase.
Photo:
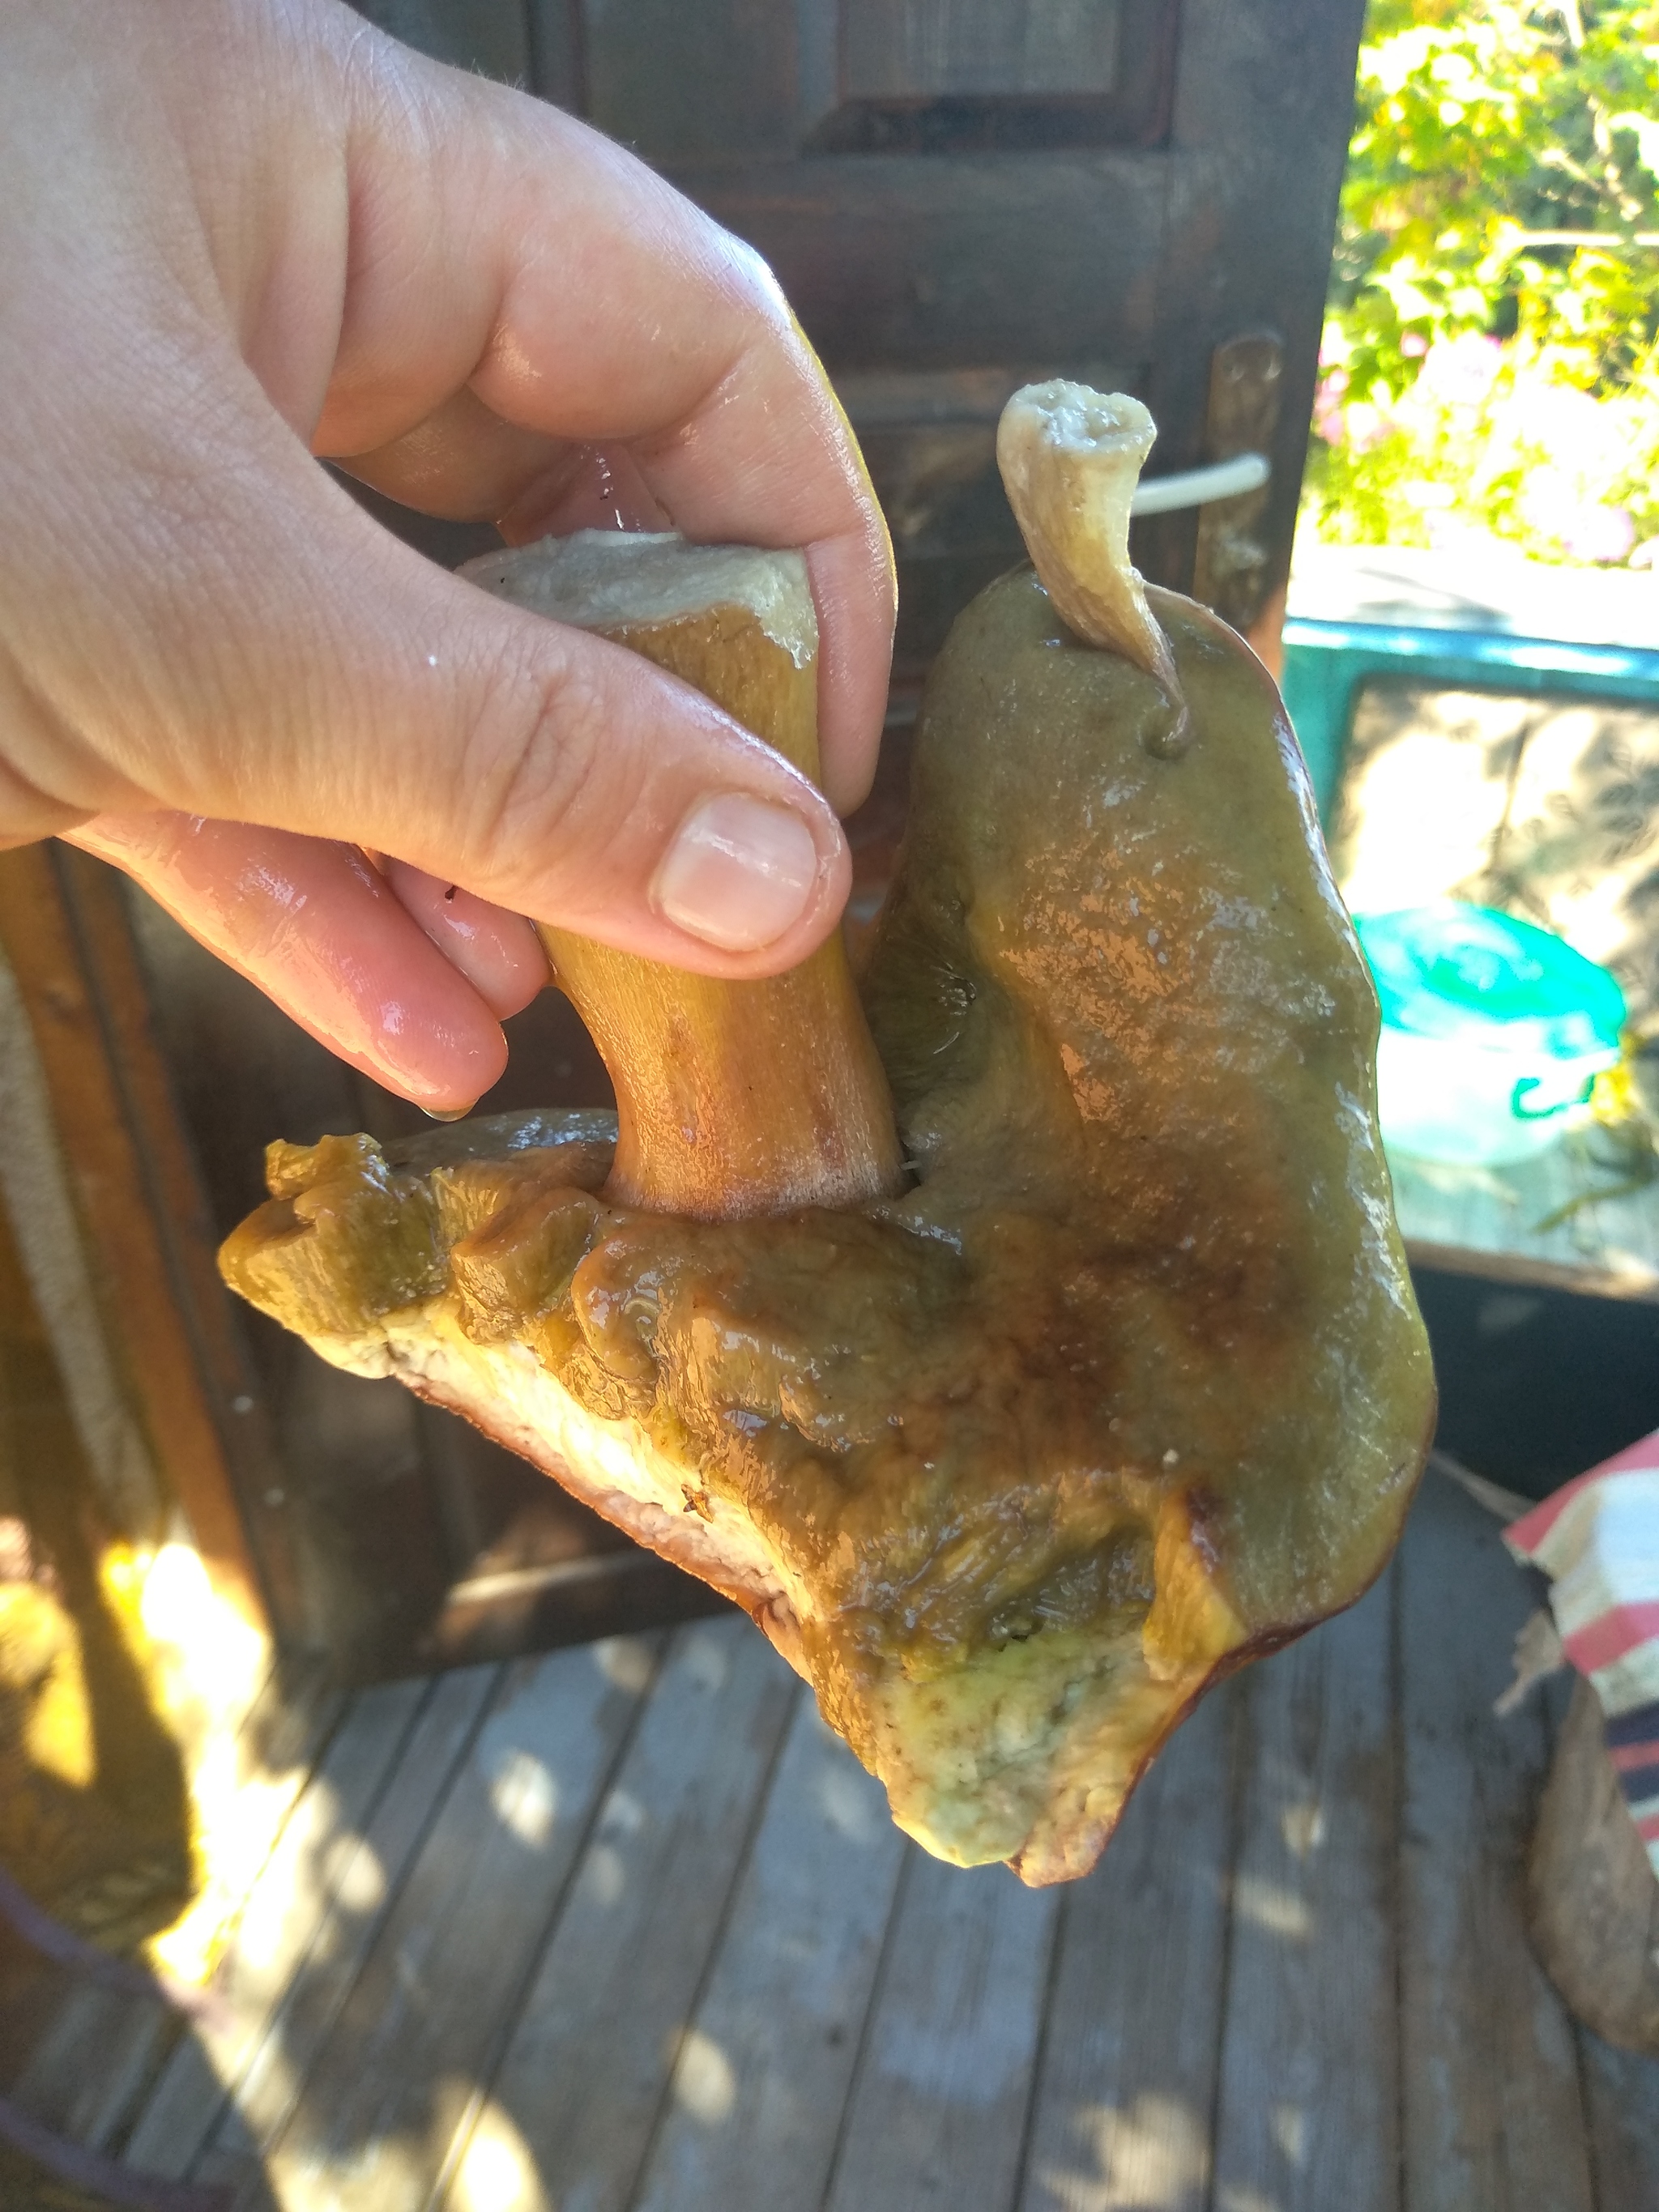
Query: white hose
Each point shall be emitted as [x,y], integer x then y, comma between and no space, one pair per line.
[1197,487]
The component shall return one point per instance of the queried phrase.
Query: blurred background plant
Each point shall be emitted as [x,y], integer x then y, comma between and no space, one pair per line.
[1491,349]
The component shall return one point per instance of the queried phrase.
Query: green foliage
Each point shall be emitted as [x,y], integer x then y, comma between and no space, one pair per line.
[1493,341]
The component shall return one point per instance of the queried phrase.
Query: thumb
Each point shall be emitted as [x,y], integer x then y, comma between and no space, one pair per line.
[273,657]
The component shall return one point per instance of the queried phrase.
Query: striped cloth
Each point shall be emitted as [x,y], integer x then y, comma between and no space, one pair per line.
[1597,1538]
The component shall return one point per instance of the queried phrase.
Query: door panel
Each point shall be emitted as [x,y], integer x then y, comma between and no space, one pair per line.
[685,84]
[898,52]
[750,79]
[985,76]
[958,261]
[490,36]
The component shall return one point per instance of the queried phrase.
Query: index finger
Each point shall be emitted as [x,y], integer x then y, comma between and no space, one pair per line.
[498,244]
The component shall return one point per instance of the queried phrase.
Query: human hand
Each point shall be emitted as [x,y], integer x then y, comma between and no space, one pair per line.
[239,233]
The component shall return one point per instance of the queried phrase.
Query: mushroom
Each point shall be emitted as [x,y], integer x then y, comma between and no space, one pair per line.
[1128,1385]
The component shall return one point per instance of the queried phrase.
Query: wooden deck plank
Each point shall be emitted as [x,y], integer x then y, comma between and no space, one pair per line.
[938,2108]
[1621,2095]
[93,2063]
[277,1746]
[1490,2107]
[1490,1220]
[684,1967]
[761,2074]
[369,1884]
[568,2117]
[1128,2073]
[398,2073]
[1307,2117]
[287,1907]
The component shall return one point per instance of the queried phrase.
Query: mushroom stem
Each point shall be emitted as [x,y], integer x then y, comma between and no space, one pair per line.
[732,1098]
[1070,460]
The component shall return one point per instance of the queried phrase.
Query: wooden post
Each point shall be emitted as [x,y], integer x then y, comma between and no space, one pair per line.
[1592,1896]
[146,1237]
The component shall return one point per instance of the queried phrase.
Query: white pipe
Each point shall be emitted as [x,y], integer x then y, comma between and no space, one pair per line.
[1197,487]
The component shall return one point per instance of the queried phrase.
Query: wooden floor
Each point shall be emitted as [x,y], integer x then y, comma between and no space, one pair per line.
[623,1929]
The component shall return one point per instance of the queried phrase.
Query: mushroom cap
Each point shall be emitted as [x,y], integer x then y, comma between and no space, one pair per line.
[1128,1386]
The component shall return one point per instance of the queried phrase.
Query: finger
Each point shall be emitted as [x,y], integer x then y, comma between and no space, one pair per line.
[465,464]
[289,663]
[320,932]
[479,216]
[604,492]
[499,953]
[462,462]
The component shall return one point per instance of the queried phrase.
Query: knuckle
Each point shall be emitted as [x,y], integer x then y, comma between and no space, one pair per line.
[538,764]
[758,287]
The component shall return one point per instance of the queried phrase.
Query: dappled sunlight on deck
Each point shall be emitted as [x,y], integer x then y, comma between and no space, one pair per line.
[1152,2157]
[624,1928]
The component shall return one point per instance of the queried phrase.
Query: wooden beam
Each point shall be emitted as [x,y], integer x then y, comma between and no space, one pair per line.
[150,1243]
[1522,1271]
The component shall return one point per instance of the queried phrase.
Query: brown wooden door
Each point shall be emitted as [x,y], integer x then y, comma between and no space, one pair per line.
[958,195]
[961,195]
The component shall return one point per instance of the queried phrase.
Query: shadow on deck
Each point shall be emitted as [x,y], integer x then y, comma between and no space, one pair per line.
[624,1930]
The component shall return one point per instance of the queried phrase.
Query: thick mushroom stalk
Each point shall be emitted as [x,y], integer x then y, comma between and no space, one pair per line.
[732,1098]
[1070,459]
